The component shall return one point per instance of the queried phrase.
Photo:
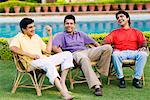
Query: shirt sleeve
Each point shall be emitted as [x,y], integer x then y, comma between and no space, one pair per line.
[57,40]
[15,42]
[87,39]
[109,38]
[141,38]
[42,43]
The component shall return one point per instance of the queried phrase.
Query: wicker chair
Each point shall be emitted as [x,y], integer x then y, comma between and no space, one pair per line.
[76,75]
[126,64]
[33,79]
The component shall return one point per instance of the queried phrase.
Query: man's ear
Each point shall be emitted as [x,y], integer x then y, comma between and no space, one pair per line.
[128,18]
[23,30]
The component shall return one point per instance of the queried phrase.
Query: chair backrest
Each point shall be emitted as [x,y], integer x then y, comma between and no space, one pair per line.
[147,50]
[18,63]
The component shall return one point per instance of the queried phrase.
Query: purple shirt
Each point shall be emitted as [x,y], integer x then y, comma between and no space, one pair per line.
[68,42]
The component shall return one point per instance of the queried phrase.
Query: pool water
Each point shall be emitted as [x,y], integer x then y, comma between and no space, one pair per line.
[8,30]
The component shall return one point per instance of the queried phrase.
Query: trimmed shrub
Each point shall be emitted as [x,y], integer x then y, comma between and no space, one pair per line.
[5,53]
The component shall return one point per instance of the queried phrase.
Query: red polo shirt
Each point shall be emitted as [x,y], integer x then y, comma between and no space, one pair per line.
[125,39]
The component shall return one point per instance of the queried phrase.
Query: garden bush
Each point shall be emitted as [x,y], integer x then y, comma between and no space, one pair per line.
[5,53]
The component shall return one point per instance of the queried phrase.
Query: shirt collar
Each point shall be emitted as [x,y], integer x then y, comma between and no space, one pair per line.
[70,34]
[25,35]
[125,29]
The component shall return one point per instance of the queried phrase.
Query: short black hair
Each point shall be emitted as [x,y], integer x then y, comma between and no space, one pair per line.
[70,17]
[125,13]
[25,22]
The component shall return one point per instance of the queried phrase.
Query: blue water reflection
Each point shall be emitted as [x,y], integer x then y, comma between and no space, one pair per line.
[8,30]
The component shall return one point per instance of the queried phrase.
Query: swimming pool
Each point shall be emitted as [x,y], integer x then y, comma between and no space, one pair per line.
[9,27]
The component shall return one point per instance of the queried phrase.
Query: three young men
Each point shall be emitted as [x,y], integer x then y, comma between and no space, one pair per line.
[128,43]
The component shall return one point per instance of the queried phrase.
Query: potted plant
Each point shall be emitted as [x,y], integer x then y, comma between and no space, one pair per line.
[26,9]
[131,6]
[61,8]
[76,8]
[115,6]
[7,9]
[107,7]
[38,9]
[68,8]
[91,7]
[17,9]
[147,6]
[139,6]
[123,6]
[84,8]
[45,8]
[100,7]
[53,8]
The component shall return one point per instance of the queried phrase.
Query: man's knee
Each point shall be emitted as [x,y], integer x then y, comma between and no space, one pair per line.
[142,54]
[82,60]
[106,48]
[67,54]
[115,54]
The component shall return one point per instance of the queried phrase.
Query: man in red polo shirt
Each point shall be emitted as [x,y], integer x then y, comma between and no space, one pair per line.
[129,43]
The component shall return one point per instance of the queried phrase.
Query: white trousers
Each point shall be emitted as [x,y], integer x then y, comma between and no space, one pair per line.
[49,64]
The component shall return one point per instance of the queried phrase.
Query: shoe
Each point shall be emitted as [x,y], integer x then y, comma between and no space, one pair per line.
[122,83]
[64,98]
[136,83]
[98,91]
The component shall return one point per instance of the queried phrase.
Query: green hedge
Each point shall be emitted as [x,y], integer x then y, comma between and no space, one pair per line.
[11,4]
[5,53]
[111,1]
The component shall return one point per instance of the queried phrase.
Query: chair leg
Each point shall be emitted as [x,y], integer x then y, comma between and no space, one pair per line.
[71,86]
[110,73]
[108,81]
[143,80]
[71,79]
[41,81]
[35,83]
[17,81]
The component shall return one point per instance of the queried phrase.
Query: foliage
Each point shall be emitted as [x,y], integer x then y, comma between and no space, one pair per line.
[62,2]
[5,53]
[15,3]
[122,1]
[98,37]
[35,1]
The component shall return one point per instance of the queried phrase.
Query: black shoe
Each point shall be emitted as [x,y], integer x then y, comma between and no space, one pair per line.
[122,83]
[98,91]
[136,83]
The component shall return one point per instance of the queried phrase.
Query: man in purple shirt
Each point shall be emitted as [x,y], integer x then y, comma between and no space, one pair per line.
[76,42]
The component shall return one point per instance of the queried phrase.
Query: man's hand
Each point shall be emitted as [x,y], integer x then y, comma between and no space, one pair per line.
[142,49]
[34,56]
[48,29]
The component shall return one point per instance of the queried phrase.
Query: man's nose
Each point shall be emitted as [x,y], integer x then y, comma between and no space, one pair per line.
[119,17]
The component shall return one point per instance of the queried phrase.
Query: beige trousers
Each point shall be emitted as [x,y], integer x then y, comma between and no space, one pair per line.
[102,54]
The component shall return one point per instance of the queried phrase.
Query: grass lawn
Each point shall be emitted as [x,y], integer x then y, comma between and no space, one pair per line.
[81,91]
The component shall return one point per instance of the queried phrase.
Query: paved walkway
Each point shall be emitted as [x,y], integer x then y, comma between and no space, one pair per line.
[58,17]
